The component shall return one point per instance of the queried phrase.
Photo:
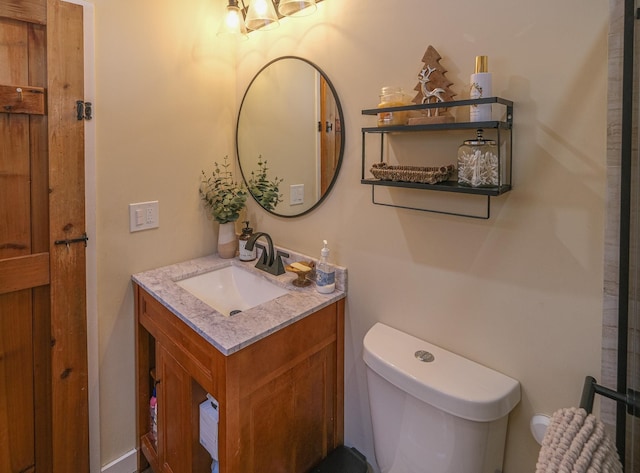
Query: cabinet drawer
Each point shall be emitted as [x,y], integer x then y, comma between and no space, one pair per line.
[260,362]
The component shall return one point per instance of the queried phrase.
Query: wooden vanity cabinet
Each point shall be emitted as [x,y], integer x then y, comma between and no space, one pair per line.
[281,398]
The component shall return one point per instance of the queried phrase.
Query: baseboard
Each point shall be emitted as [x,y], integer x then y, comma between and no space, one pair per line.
[127,463]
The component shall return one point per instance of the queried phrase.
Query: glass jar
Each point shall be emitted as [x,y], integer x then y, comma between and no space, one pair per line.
[392,97]
[478,163]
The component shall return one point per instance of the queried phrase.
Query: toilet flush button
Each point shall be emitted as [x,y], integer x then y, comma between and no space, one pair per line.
[425,356]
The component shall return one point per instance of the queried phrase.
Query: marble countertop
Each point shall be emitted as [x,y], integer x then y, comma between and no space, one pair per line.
[230,334]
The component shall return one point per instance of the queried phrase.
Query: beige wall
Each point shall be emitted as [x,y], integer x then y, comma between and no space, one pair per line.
[521,292]
[166,112]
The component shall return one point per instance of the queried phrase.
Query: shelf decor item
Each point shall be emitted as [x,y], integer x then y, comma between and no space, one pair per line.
[224,198]
[420,174]
[392,97]
[433,87]
[478,163]
[480,87]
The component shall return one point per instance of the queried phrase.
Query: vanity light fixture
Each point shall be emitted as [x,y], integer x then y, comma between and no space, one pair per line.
[233,22]
[261,15]
[244,15]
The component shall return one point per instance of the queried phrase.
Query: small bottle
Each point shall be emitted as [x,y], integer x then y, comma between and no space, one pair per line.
[244,254]
[153,419]
[480,88]
[325,273]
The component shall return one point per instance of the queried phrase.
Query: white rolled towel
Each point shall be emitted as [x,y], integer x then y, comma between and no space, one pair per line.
[576,442]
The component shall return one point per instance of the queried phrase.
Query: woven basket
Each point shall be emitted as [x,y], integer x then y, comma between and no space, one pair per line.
[423,175]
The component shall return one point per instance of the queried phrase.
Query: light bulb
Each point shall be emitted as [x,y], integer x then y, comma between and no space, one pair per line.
[261,7]
[233,22]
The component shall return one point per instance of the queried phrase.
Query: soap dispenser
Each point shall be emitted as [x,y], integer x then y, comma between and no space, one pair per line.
[325,272]
[244,254]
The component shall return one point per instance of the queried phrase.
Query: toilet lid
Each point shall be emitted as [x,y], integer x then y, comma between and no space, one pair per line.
[447,381]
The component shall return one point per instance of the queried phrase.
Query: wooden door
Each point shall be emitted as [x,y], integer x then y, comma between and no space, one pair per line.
[331,136]
[43,361]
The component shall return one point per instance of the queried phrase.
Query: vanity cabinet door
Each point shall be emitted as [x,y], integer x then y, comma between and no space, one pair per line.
[174,416]
[290,407]
[287,422]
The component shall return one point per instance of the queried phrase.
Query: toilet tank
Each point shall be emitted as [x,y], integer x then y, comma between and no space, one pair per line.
[432,410]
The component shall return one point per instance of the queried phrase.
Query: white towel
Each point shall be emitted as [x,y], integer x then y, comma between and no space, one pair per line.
[576,442]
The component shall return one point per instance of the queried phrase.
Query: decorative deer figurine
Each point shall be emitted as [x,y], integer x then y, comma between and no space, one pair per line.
[423,78]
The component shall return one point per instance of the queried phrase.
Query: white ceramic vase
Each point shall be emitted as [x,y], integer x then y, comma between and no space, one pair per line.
[227,240]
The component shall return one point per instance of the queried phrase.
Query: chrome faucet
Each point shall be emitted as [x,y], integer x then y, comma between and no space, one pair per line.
[269,262]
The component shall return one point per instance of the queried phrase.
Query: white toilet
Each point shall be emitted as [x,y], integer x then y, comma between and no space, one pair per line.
[434,411]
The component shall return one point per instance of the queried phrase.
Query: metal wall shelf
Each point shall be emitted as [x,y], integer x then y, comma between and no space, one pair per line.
[452,104]
[503,132]
[446,186]
[438,127]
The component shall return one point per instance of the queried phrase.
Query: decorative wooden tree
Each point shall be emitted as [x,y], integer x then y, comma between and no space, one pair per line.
[433,86]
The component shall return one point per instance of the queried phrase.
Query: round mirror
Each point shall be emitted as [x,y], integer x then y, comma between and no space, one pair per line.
[289,136]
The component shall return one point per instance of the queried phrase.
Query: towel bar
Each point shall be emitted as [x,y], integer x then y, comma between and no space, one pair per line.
[591,388]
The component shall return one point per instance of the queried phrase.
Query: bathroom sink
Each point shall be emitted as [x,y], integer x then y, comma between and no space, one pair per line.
[231,289]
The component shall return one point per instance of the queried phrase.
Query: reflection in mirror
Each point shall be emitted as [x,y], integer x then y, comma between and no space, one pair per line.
[290,118]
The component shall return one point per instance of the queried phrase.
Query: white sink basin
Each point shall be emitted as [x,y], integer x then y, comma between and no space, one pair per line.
[231,289]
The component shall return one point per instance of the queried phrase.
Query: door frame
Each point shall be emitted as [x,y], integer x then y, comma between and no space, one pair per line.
[93,353]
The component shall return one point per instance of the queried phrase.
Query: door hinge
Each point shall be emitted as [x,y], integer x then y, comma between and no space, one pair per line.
[84,110]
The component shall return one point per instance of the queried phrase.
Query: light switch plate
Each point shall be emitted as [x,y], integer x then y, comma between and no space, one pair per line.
[143,216]
[296,194]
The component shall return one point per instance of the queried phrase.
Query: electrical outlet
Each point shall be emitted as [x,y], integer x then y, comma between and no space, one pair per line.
[143,216]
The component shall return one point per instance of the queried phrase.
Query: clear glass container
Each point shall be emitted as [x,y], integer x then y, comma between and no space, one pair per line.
[392,97]
[479,163]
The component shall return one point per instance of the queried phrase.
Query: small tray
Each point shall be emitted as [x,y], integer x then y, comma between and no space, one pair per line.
[421,174]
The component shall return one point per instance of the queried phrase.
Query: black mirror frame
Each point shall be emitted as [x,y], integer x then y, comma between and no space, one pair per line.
[342,140]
